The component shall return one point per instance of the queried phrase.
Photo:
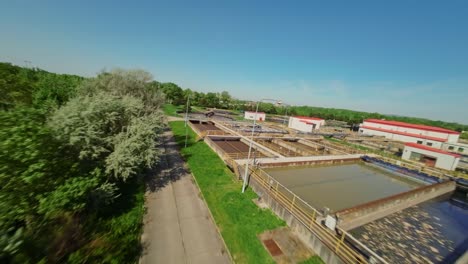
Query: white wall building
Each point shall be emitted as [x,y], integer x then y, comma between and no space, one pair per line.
[405,132]
[431,156]
[305,123]
[251,115]
[456,147]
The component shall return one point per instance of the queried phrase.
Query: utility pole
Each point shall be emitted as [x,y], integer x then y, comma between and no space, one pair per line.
[186,120]
[246,173]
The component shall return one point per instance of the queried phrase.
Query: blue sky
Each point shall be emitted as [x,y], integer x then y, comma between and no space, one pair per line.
[399,57]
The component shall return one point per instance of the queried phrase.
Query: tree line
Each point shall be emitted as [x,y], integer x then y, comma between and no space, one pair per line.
[73,154]
[178,96]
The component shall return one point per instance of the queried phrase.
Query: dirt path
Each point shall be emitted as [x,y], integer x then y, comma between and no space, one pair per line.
[177,226]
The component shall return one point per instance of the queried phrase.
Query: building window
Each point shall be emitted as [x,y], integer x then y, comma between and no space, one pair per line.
[419,142]
[450,147]
[460,149]
[362,130]
[429,144]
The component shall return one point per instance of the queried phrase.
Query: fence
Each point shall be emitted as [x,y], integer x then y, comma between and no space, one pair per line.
[341,147]
[205,133]
[308,215]
[279,149]
[429,171]
[236,155]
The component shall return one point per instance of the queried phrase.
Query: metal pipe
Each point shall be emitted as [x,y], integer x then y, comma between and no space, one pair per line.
[186,120]
[244,185]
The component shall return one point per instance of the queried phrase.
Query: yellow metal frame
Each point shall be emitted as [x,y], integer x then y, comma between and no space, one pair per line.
[296,206]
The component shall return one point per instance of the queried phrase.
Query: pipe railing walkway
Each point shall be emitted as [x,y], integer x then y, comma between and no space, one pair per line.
[338,241]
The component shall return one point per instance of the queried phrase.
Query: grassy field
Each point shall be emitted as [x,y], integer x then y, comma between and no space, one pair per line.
[313,260]
[198,109]
[238,218]
[171,110]
[464,135]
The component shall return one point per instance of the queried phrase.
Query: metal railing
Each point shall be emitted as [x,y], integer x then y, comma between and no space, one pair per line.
[341,147]
[409,165]
[277,148]
[216,133]
[308,215]
[205,133]
[236,155]
[299,146]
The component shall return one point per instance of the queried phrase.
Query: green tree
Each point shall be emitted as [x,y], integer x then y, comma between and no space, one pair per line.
[211,100]
[53,90]
[33,164]
[111,131]
[174,93]
[118,82]
[16,86]
[62,171]
[225,99]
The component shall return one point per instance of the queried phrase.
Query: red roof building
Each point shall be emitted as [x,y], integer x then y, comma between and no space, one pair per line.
[431,157]
[420,134]
[408,125]
[305,123]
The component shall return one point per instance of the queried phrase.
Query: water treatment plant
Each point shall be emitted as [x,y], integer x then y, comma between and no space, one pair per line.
[348,205]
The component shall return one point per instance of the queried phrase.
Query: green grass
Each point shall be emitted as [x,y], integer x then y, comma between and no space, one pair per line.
[464,135]
[238,218]
[239,118]
[313,260]
[171,110]
[198,108]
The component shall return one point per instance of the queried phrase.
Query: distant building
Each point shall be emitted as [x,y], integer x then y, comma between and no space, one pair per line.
[251,115]
[405,132]
[431,157]
[458,147]
[305,123]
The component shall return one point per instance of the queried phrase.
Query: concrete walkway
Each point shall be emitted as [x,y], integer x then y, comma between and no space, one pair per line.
[302,159]
[178,227]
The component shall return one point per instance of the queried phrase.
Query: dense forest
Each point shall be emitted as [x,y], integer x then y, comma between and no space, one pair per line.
[73,154]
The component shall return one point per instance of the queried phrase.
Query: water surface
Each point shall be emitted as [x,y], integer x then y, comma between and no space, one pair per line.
[342,186]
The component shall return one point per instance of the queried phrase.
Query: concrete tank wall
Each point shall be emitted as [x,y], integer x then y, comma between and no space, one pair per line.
[309,161]
[309,238]
[266,151]
[362,214]
[283,144]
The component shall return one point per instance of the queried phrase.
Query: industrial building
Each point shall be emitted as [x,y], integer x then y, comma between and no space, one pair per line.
[431,157]
[305,123]
[251,115]
[405,132]
[457,147]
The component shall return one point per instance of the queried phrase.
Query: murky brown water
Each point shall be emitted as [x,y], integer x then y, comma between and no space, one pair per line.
[342,186]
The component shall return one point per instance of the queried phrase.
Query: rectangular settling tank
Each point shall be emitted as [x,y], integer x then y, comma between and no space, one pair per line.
[341,186]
